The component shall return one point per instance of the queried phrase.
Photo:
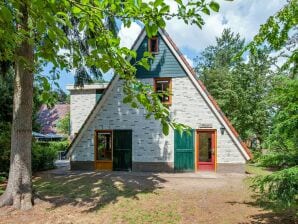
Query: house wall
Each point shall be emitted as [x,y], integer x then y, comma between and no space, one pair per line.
[82,102]
[151,150]
[164,64]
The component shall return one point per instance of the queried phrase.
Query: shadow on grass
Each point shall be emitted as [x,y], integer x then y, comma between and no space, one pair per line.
[272,214]
[94,189]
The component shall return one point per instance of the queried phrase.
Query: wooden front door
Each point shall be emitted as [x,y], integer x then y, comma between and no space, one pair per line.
[103,150]
[184,151]
[206,149]
[122,150]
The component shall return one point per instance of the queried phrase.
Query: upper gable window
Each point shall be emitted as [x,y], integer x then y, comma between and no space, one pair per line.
[164,85]
[153,45]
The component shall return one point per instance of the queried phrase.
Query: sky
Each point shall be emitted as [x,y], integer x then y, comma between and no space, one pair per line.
[242,16]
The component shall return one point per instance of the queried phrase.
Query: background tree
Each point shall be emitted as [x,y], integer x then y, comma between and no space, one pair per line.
[239,87]
[63,124]
[252,84]
[33,32]
[281,187]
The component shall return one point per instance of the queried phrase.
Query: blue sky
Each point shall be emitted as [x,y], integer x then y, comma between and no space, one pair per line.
[242,16]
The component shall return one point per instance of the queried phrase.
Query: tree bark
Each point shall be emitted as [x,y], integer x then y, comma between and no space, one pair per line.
[19,188]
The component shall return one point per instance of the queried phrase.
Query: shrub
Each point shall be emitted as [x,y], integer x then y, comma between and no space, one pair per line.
[280,187]
[44,154]
[60,146]
[5,129]
[278,160]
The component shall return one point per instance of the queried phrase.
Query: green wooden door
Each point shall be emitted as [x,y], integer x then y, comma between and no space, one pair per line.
[122,150]
[184,151]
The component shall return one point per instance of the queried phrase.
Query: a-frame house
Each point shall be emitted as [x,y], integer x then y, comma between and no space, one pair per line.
[117,137]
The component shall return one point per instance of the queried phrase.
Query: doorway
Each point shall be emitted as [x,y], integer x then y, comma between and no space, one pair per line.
[113,150]
[206,150]
[103,150]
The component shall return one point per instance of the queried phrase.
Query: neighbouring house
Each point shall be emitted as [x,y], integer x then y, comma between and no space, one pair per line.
[115,136]
[82,101]
[49,117]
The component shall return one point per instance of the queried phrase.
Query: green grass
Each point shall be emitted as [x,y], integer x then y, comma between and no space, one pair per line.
[146,209]
[87,188]
[122,200]
[256,170]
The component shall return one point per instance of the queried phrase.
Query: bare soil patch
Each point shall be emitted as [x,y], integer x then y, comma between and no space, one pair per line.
[122,197]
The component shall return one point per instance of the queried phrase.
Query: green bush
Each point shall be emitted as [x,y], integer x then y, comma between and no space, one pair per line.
[43,156]
[280,187]
[5,129]
[45,153]
[60,146]
[278,160]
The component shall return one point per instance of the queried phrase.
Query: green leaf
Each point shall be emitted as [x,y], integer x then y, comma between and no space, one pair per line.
[179,2]
[6,14]
[206,11]
[127,99]
[144,62]
[134,105]
[214,6]
[76,10]
[165,128]
[157,3]
[164,9]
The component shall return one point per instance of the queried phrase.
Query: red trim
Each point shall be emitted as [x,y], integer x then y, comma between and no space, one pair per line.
[213,101]
[169,102]
[208,166]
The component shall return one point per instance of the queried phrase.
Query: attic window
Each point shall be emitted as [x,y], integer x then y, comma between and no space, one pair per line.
[164,86]
[153,45]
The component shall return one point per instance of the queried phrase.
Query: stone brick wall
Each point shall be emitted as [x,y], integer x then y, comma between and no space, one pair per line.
[149,144]
[81,103]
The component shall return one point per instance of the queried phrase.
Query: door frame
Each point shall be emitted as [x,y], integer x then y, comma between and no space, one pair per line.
[197,146]
[96,146]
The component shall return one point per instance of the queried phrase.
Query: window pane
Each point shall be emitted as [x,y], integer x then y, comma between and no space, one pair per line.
[153,45]
[104,146]
[205,148]
[161,87]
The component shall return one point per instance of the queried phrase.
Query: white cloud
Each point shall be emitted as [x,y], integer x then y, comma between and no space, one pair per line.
[241,16]
[128,35]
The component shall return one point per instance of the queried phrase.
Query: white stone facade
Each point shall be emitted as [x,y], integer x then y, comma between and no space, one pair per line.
[81,103]
[148,142]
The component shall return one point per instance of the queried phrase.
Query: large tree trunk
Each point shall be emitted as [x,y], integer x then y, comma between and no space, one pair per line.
[19,188]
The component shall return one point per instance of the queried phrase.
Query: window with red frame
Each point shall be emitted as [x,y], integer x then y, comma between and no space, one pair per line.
[164,86]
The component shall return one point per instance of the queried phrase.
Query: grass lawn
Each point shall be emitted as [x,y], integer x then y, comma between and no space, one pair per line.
[122,197]
[256,170]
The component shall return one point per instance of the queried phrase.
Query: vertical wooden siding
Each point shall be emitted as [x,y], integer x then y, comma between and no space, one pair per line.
[184,151]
